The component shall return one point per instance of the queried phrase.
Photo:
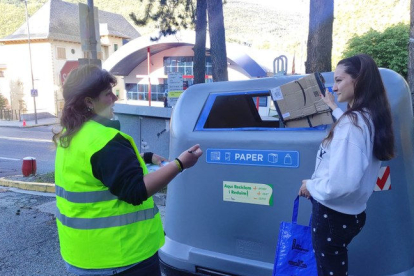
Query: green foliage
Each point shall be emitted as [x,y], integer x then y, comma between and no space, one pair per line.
[45,178]
[356,17]
[13,14]
[170,16]
[3,102]
[253,22]
[389,48]
[262,27]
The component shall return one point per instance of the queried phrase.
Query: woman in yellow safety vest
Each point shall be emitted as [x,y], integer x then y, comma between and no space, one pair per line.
[107,221]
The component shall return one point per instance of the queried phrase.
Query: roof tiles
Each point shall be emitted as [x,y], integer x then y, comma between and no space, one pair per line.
[59,20]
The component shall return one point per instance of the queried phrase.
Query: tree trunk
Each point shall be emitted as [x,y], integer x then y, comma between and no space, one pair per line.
[217,40]
[200,42]
[411,52]
[319,52]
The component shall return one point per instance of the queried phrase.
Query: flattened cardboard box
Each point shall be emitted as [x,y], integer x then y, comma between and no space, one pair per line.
[311,120]
[300,98]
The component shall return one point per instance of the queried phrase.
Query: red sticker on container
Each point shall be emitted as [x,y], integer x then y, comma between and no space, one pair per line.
[383,180]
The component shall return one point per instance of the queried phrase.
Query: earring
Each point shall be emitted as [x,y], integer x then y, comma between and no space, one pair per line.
[90,108]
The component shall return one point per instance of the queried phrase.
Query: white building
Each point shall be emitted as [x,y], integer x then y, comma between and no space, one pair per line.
[54,40]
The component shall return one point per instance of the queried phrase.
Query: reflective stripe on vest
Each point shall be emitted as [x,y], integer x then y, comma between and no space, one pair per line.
[85,197]
[97,223]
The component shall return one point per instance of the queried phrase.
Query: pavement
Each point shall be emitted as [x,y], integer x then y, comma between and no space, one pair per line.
[28,220]
[26,183]
[31,123]
[21,182]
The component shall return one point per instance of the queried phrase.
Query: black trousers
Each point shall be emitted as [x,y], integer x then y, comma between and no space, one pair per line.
[148,267]
[332,231]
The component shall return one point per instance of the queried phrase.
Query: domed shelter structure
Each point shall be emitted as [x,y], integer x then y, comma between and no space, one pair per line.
[144,66]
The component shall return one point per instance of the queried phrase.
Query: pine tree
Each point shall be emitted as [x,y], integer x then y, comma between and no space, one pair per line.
[3,102]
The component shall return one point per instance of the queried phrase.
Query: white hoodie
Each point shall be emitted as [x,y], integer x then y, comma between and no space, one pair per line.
[346,170]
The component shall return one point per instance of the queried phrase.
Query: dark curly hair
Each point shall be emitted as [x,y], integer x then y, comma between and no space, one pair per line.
[370,100]
[84,81]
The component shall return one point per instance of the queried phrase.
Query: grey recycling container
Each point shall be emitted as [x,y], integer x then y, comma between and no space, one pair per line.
[223,215]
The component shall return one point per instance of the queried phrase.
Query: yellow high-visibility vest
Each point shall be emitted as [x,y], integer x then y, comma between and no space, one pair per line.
[96,229]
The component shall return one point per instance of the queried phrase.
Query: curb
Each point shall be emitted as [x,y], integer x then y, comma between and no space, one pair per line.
[28,126]
[159,198]
[30,186]
[31,126]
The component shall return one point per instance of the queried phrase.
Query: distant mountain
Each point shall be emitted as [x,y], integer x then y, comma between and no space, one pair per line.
[267,26]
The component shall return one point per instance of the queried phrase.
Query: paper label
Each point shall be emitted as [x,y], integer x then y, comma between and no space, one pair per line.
[285,115]
[276,93]
[252,193]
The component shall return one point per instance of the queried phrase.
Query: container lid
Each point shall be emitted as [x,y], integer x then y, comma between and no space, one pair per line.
[29,158]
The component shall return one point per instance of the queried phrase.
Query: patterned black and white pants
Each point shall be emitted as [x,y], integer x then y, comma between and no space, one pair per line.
[332,231]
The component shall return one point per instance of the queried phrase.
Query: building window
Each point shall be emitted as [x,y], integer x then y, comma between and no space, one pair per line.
[105,51]
[184,65]
[99,55]
[140,92]
[61,53]
[1,74]
[115,47]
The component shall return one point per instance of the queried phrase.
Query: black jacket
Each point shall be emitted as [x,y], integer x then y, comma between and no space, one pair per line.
[116,165]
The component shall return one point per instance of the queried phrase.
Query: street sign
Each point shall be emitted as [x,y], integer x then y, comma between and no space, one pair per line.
[175,87]
[34,92]
[175,82]
[67,67]
[258,158]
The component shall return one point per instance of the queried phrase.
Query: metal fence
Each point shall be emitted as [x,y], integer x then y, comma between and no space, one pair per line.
[10,114]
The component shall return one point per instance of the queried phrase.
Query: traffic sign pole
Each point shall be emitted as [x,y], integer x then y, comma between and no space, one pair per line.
[92,37]
[30,56]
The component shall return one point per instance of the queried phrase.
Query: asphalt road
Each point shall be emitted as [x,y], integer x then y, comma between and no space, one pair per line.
[29,242]
[17,143]
[28,235]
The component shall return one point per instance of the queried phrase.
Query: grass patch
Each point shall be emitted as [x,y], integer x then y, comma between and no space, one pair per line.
[45,178]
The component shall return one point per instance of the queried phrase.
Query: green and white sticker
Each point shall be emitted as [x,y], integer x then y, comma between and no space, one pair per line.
[253,193]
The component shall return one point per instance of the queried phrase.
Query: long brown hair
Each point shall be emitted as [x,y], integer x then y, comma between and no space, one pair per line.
[84,81]
[370,100]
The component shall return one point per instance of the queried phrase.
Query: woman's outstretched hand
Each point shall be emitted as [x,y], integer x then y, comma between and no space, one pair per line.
[190,156]
[329,99]
[158,179]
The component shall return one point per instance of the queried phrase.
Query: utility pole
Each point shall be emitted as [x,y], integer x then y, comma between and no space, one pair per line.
[88,21]
[30,57]
[92,37]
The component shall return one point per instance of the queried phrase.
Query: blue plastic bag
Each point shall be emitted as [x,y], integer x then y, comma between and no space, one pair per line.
[294,252]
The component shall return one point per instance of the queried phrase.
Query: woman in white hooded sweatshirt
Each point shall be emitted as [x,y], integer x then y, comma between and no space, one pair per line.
[348,161]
